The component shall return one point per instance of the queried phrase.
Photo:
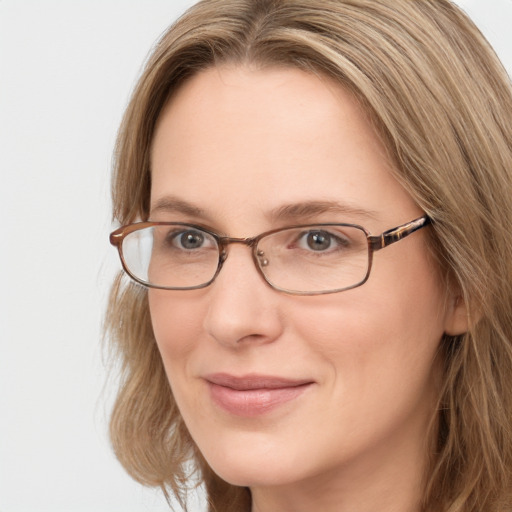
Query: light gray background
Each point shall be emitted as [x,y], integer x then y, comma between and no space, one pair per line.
[66,71]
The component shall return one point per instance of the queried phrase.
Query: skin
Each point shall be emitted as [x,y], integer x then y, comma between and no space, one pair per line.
[238,143]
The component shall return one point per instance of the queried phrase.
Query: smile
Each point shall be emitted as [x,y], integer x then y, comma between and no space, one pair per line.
[253,395]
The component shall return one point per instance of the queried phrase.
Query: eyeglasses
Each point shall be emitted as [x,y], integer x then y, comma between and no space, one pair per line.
[311,259]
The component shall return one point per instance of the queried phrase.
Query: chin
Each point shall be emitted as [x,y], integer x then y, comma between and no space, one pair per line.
[265,476]
[254,465]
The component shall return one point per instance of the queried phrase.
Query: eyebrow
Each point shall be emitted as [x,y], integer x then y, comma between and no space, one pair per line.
[308,209]
[288,212]
[172,204]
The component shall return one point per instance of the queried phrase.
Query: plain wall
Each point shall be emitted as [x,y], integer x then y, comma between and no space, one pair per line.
[66,71]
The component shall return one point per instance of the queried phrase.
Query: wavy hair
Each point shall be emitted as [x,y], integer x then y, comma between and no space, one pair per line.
[442,103]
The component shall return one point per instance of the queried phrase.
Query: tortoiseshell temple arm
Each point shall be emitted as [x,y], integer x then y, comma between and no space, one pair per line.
[394,235]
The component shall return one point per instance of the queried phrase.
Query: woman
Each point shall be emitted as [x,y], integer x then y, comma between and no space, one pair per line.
[273,153]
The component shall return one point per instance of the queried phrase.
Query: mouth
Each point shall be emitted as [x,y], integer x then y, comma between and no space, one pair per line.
[253,395]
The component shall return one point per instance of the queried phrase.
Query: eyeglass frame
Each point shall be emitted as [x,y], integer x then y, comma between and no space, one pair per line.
[375,243]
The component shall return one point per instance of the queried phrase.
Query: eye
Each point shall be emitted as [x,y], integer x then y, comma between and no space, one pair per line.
[321,241]
[318,241]
[191,239]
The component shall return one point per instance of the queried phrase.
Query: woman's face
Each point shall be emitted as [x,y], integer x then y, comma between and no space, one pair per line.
[242,151]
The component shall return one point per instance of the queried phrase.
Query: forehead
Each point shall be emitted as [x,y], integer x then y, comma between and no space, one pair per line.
[238,141]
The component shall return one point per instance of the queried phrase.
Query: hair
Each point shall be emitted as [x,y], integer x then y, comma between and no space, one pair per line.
[442,103]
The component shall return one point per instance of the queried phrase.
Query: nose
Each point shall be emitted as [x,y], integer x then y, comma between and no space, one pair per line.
[242,308]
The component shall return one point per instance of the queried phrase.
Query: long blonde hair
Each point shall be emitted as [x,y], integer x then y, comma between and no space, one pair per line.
[442,103]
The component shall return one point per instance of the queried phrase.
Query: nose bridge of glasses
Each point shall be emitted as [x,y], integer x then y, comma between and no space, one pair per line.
[251,242]
[226,240]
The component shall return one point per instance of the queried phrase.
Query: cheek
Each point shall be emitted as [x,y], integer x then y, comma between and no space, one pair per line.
[177,327]
[372,318]
[376,357]
[176,324]
[386,332]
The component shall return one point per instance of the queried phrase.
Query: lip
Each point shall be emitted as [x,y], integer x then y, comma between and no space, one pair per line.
[253,395]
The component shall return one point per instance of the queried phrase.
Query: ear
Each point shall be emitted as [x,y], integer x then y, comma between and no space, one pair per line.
[457,319]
